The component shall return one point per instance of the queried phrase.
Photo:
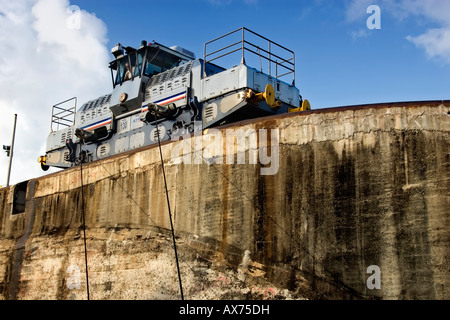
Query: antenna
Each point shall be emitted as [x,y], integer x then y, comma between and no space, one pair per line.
[9,150]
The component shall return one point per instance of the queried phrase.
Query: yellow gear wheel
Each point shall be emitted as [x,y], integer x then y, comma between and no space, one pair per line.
[305,105]
[269,95]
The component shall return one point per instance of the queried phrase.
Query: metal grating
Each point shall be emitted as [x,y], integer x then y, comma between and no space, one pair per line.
[94,104]
[170,74]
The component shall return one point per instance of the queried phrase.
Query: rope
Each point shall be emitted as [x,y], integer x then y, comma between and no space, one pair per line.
[84,227]
[168,205]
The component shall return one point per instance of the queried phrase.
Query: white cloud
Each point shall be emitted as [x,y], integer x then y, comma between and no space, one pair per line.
[43,62]
[361,33]
[435,41]
[356,10]
[436,10]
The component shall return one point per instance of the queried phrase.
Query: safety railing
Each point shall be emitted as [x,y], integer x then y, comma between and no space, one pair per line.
[280,60]
[61,116]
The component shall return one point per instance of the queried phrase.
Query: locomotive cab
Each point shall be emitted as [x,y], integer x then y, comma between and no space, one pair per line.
[132,69]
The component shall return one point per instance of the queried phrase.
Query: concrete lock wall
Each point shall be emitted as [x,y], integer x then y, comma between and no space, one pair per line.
[353,205]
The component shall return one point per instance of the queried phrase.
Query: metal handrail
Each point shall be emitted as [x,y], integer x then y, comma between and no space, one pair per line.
[223,55]
[277,63]
[288,63]
[231,45]
[63,115]
[268,52]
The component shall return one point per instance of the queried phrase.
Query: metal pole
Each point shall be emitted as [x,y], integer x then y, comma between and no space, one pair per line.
[12,150]
[243,46]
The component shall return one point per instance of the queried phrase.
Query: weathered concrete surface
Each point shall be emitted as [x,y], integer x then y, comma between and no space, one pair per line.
[355,187]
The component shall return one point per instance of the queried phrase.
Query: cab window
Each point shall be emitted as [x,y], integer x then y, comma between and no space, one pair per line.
[128,67]
[159,62]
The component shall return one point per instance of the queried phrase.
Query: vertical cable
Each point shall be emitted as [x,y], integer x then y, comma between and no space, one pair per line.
[168,205]
[84,226]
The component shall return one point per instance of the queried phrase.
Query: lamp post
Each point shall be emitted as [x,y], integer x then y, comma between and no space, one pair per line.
[9,150]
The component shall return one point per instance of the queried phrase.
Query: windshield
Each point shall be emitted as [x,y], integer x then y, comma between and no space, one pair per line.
[159,61]
[132,65]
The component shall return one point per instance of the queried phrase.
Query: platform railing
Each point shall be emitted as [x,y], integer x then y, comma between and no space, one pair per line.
[61,116]
[283,62]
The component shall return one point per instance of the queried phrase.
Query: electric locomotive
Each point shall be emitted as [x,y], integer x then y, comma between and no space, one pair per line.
[160,91]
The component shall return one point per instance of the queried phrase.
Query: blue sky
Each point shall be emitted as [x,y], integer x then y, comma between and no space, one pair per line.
[339,60]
